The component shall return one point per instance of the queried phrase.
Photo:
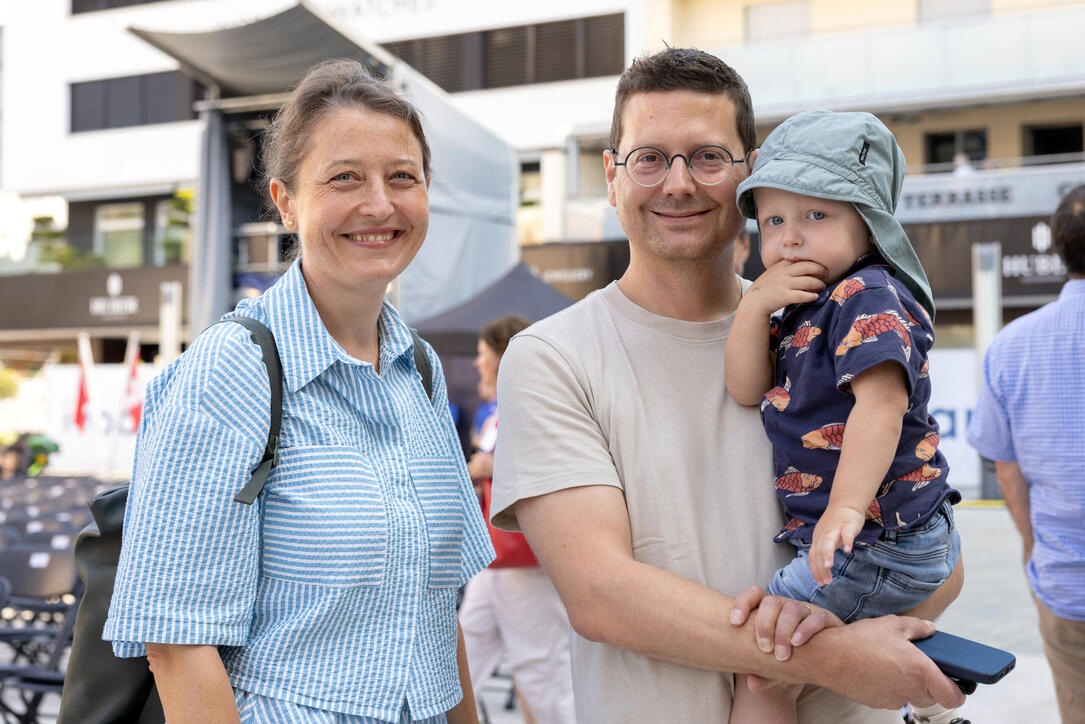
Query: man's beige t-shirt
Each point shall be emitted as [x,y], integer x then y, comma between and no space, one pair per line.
[607,393]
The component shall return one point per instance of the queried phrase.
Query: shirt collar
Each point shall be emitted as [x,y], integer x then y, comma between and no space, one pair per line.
[1072,288]
[311,350]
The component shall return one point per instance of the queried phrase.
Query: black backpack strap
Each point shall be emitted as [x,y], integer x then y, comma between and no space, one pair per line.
[421,361]
[263,337]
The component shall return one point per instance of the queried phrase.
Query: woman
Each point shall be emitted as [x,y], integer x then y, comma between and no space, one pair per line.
[333,598]
[511,609]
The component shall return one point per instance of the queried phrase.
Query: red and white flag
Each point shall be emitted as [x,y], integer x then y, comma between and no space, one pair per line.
[82,395]
[132,405]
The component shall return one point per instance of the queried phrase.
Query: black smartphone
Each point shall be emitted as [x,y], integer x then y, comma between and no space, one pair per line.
[966,660]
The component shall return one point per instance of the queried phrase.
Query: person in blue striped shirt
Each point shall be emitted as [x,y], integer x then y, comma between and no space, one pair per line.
[332,599]
[1029,420]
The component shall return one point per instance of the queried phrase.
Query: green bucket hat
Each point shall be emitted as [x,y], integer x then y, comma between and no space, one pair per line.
[843,157]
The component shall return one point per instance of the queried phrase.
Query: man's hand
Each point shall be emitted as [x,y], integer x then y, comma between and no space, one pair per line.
[836,528]
[785,283]
[879,666]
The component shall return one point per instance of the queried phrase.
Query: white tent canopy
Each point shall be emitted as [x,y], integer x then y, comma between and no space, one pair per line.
[473,197]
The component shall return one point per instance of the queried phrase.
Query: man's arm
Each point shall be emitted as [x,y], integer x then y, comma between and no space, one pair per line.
[582,539]
[1015,491]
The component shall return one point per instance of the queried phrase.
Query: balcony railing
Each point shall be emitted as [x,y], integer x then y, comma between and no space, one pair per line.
[944,64]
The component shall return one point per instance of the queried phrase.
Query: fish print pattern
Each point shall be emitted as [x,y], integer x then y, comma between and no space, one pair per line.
[928,446]
[800,341]
[826,437]
[797,483]
[778,396]
[846,289]
[867,327]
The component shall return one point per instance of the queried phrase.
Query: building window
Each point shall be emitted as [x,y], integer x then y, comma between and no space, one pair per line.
[134,100]
[1062,143]
[776,21]
[932,10]
[172,231]
[943,147]
[542,53]
[87,6]
[118,234]
[530,183]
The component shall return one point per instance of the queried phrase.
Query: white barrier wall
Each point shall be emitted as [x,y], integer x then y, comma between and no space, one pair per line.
[46,404]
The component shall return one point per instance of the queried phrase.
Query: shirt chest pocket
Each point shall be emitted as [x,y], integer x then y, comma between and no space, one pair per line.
[438,482]
[325,521]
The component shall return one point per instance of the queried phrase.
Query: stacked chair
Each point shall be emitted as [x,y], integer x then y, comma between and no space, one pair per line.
[39,588]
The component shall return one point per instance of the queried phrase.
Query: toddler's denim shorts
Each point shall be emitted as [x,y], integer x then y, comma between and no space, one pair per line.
[890,575]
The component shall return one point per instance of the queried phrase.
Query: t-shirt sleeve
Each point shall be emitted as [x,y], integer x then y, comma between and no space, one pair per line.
[874,326]
[548,438]
[989,427]
[190,554]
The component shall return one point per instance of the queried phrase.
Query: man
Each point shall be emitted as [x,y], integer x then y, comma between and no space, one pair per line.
[1029,420]
[643,488]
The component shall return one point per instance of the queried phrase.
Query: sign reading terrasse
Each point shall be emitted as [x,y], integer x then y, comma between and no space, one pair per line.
[1013,193]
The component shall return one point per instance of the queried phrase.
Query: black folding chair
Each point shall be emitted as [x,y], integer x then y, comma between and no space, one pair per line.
[43,594]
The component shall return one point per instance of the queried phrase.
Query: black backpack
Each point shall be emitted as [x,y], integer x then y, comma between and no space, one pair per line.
[98,687]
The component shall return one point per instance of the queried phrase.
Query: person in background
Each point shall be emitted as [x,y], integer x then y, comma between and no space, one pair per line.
[11,462]
[333,597]
[646,492]
[741,251]
[511,610]
[1029,419]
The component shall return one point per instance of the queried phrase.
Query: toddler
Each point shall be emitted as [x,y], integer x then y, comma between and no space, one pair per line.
[831,342]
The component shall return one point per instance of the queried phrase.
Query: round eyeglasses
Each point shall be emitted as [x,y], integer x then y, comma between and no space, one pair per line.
[708,165]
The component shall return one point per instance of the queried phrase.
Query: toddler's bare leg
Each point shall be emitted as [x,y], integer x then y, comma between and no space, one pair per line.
[771,706]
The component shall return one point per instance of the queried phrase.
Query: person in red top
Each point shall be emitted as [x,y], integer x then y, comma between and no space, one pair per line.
[511,609]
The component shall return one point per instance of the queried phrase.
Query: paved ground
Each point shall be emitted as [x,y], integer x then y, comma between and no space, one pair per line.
[994,607]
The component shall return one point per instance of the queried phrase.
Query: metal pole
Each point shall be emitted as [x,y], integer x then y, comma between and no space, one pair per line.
[169,322]
[986,321]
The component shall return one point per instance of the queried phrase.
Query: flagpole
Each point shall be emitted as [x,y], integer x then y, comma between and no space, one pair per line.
[86,364]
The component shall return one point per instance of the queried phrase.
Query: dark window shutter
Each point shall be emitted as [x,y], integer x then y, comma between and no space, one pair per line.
[555,51]
[442,61]
[407,51]
[162,100]
[88,106]
[604,45]
[85,6]
[124,106]
[506,57]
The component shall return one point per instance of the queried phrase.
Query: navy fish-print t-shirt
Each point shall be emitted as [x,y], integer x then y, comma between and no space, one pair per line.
[865,319]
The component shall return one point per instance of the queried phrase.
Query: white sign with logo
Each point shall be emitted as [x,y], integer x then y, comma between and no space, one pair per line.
[115,303]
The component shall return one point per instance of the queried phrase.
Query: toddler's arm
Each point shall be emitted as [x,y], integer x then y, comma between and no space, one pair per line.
[748,364]
[871,436]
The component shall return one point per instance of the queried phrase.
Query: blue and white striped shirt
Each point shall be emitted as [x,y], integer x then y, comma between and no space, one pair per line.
[335,591]
[1031,410]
